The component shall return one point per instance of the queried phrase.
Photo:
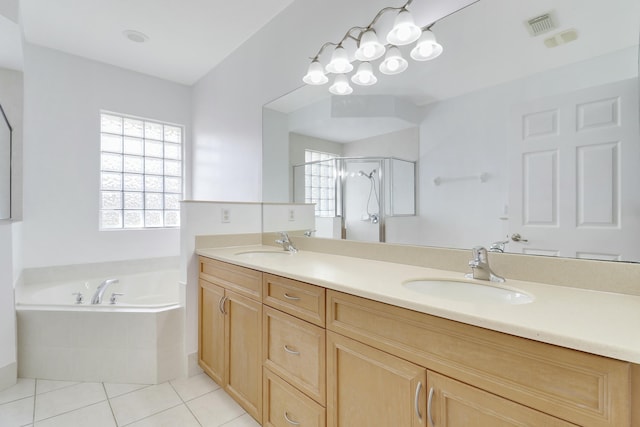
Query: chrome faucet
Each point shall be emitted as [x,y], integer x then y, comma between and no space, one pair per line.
[97,297]
[480,266]
[498,246]
[286,243]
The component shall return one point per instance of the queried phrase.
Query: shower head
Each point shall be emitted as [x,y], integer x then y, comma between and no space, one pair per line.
[367,175]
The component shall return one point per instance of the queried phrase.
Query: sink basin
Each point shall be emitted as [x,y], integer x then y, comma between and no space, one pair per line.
[262,254]
[469,291]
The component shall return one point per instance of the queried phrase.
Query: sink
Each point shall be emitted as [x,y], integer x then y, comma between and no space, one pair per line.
[459,290]
[263,254]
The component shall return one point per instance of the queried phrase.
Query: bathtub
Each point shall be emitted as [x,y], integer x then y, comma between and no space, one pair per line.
[139,339]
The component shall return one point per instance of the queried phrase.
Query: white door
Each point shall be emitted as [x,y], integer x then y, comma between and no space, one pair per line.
[575,174]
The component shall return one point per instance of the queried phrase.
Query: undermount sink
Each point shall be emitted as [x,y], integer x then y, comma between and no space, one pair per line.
[469,291]
[262,254]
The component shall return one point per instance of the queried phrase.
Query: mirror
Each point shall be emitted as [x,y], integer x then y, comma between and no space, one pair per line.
[5,166]
[530,143]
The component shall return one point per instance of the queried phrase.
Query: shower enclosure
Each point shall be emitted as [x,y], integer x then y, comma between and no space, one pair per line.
[355,196]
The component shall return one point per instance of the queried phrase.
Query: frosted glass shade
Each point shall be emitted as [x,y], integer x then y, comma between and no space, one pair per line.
[364,76]
[315,74]
[393,62]
[369,48]
[339,63]
[341,86]
[427,47]
[404,30]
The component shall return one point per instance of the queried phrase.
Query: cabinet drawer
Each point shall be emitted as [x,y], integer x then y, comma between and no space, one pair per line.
[582,388]
[285,406]
[296,298]
[244,281]
[295,350]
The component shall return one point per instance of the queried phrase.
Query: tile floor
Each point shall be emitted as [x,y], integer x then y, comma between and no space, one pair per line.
[190,402]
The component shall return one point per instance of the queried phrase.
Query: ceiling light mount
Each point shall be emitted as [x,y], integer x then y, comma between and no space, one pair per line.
[135,36]
[368,48]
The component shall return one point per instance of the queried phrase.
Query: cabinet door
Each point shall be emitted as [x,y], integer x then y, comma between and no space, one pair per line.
[368,387]
[211,343]
[455,404]
[243,334]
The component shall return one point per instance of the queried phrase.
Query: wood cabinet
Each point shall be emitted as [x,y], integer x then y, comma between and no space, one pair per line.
[230,335]
[292,352]
[368,387]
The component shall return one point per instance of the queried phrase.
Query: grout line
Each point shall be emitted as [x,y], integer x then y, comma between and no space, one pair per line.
[153,415]
[61,388]
[185,404]
[33,418]
[113,414]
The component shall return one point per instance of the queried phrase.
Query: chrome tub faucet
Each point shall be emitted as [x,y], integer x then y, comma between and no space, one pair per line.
[286,242]
[97,297]
[480,268]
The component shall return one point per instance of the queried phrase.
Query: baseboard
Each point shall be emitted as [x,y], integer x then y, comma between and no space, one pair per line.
[8,375]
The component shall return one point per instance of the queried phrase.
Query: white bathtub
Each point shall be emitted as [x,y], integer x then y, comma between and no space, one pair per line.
[137,340]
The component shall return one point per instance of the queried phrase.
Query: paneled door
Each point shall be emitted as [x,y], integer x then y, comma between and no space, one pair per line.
[575,175]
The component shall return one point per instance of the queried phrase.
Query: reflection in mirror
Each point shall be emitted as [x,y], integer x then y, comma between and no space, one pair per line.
[5,166]
[520,137]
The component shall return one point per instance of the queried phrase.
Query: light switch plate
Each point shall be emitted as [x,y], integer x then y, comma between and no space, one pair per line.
[226,215]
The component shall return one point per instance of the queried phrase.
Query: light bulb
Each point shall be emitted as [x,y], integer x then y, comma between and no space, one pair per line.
[393,63]
[404,30]
[315,74]
[341,86]
[427,47]
[339,63]
[403,33]
[364,76]
[368,51]
[369,48]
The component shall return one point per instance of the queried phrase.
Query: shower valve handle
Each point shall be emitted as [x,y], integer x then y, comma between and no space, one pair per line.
[114,297]
[79,297]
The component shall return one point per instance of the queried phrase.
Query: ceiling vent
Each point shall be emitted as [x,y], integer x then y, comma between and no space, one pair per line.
[561,38]
[541,24]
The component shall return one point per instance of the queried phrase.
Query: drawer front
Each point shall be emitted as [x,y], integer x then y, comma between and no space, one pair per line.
[296,298]
[284,406]
[295,350]
[244,281]
[582,388]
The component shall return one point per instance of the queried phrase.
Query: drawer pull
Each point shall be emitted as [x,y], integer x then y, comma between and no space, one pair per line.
[431,423]
[288,350]
[221,303]
[289,297]
[289,420]
[416,403]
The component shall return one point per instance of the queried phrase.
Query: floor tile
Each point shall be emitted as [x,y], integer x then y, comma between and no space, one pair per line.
[244,421]
[97,415]
[17,413]
[45,386]
[142,403]
[178,416]
[215,408]
[68,399]
[114,389]
[195,386]
[23,388]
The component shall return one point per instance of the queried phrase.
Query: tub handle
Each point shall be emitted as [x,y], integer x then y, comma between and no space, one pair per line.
[79,297]
[114,297]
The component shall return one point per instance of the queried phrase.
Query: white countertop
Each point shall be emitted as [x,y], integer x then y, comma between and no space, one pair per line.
[603,323]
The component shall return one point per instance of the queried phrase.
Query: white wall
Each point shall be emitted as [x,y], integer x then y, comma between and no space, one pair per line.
[227,102]
[10,262]
[63,98]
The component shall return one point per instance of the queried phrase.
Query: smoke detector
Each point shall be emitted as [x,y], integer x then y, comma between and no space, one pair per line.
[541,24]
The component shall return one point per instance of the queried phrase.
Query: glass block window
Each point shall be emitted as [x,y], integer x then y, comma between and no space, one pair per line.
[140,173]
[320,182]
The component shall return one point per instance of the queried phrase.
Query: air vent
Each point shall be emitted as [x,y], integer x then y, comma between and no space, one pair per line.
[541,24]
[561,38]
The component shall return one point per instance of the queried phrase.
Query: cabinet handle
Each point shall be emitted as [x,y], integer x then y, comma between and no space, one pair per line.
[223,300]
[416,403]
[431,423]
[288,350]
[289,297]
[289,420]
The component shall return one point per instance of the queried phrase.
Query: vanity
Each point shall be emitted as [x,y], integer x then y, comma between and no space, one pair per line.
[317,339]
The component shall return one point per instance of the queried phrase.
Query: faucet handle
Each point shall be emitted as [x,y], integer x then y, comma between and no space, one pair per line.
[79,297]
[114,297]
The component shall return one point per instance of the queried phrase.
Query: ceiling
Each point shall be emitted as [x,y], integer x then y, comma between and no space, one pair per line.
[187,38]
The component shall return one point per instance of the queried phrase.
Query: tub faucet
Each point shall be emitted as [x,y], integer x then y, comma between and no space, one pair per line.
[97,297]
[480,266]
[286,243]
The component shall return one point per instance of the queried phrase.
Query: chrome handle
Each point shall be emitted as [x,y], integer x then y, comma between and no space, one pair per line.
[288,350]
[431,423]
[79,297]
[289,420]
[516,237]
[114,297]
[416,402]
[289,297]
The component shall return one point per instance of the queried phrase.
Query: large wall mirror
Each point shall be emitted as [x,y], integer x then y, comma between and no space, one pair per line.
[527,142]
[5,166]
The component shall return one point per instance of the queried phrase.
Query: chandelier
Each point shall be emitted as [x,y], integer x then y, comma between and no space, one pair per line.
[369,49]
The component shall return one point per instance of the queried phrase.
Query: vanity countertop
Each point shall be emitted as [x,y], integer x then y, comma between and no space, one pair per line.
[603,323]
